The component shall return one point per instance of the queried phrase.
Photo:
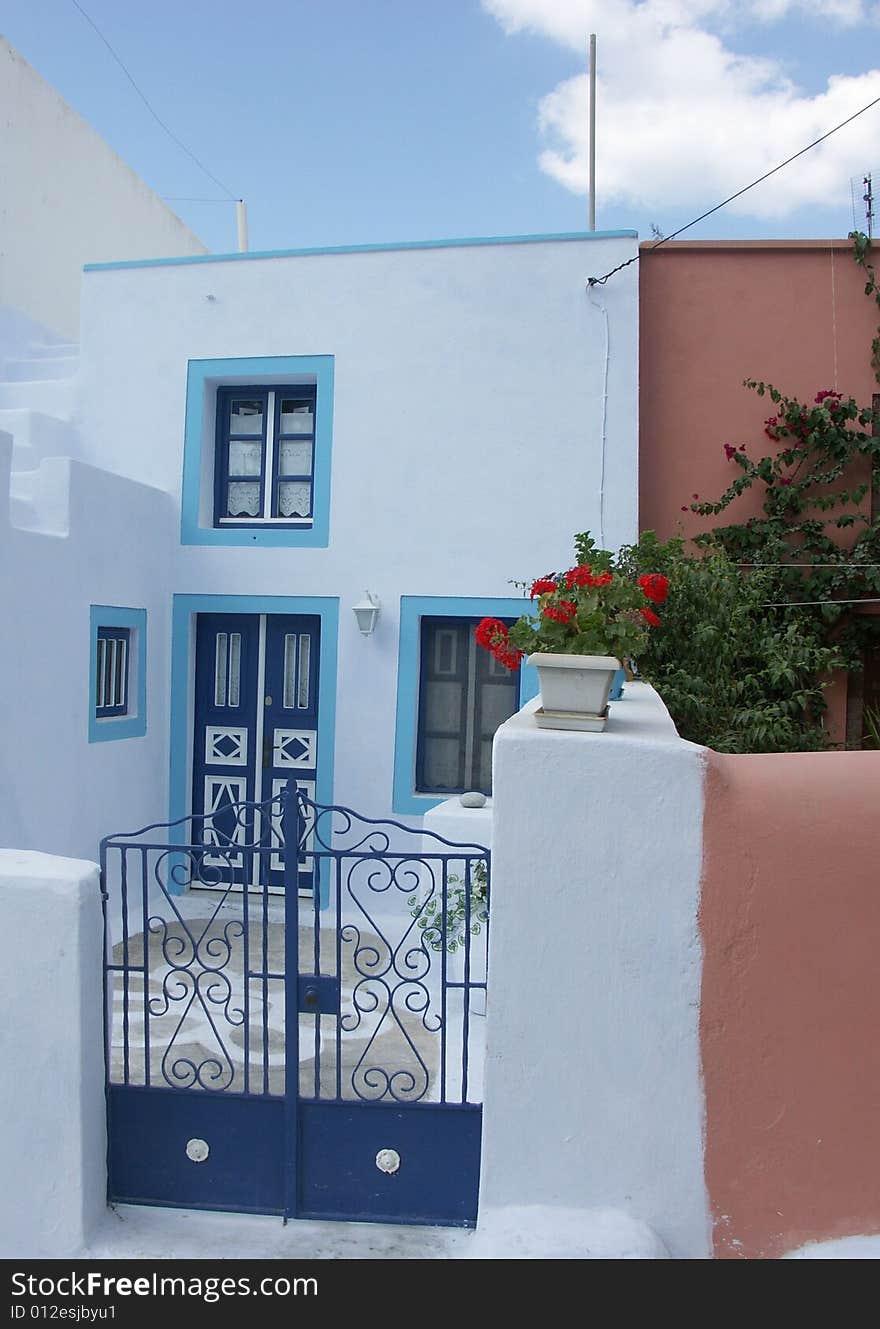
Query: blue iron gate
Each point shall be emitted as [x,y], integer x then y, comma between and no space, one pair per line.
[316,1054]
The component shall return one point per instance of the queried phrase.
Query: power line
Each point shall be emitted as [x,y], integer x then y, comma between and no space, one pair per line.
[600,281]
[150,108]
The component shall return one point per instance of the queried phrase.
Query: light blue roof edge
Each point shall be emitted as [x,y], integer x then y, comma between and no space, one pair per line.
[360,249]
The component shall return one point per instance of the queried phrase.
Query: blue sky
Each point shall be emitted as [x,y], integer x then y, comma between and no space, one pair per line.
[344,122]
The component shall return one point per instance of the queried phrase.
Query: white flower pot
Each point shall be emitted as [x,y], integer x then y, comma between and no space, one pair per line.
[574,689]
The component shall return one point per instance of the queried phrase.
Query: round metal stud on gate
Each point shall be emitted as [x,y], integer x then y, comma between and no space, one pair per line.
[197,1150]
[388,1160]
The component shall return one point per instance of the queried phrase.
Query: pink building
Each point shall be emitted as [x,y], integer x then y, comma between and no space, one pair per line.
[713,313]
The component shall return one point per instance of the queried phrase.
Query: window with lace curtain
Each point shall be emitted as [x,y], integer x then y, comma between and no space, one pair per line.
[265,456]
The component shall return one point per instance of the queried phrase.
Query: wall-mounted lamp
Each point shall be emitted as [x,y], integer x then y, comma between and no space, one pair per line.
[366,612]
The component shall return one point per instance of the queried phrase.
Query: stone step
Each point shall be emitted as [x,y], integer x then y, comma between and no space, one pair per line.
[44,367]
[37,349]
[49,396]
[37,435]
[39,500]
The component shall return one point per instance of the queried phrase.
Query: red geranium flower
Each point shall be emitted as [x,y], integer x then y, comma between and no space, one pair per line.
[564,612]
[650,617]
[509,656]
[603,579]
[488,631]
[655,587]
[579,576]
[543,586]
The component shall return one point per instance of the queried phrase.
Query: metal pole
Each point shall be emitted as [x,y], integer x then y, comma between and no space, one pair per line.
[592,131]
[241,223]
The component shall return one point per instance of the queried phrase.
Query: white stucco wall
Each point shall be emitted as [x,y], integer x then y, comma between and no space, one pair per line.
[469,411]
[67,200]
[58,791]
[53,1141]
[593,1095]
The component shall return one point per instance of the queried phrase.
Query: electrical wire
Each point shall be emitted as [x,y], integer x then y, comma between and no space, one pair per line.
[159,121]
[600,281]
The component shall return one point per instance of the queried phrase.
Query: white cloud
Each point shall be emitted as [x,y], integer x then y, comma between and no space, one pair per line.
[684,120]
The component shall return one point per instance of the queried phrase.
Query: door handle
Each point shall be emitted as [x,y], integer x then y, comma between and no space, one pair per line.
[267,752]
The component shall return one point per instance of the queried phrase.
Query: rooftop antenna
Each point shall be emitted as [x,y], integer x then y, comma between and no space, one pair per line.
[592,131]
[868,196]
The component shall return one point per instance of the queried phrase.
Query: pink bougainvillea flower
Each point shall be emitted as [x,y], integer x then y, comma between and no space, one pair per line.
[825,394]
[729,451]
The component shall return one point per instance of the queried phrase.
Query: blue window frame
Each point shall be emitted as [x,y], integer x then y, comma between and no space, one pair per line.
[117,673]
[276,452]
[414,765]
[264,470]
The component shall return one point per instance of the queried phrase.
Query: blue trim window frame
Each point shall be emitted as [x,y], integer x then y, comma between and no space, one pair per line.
[117,673]
[278,452]
[407,800]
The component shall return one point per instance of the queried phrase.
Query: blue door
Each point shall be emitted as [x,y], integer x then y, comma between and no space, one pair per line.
[256,727]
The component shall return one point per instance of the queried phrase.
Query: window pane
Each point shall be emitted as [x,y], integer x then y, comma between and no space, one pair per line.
[220,670]
[234,667]
[445,651]
[289,669]
[498,701]
[484,774]
[121,672]
[294,499]
[243,499]
[245,458]
[305,655]
[442,707]
[101,666]
[296,416]
[295,459]
[246,417]
[442,764]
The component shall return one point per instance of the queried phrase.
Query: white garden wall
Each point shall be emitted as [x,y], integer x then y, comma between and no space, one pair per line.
[110,546]
[593,1094]
[53,1142]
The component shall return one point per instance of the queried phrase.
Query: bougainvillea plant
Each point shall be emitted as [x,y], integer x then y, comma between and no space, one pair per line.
[594,608]
[816,522]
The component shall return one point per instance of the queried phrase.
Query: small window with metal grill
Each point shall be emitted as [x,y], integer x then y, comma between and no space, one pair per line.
[112,667]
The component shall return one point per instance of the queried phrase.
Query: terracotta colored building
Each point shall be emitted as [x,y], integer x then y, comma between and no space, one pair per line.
[716,312]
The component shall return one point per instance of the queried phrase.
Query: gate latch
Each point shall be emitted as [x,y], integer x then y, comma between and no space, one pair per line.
[318,994]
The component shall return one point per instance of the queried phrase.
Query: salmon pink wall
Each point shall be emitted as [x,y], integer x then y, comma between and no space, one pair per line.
[713,313]
[790,918]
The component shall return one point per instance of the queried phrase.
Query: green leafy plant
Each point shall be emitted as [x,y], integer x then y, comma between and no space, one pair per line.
[814,485]
[428,912]
[871,721]
[738,671]
[597,607]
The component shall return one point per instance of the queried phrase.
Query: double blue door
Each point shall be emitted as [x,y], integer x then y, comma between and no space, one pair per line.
[256,727]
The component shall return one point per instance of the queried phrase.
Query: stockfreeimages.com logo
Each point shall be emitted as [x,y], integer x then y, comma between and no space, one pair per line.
[107,1286]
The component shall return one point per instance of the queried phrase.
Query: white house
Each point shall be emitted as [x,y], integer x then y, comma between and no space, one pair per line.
[259,440]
